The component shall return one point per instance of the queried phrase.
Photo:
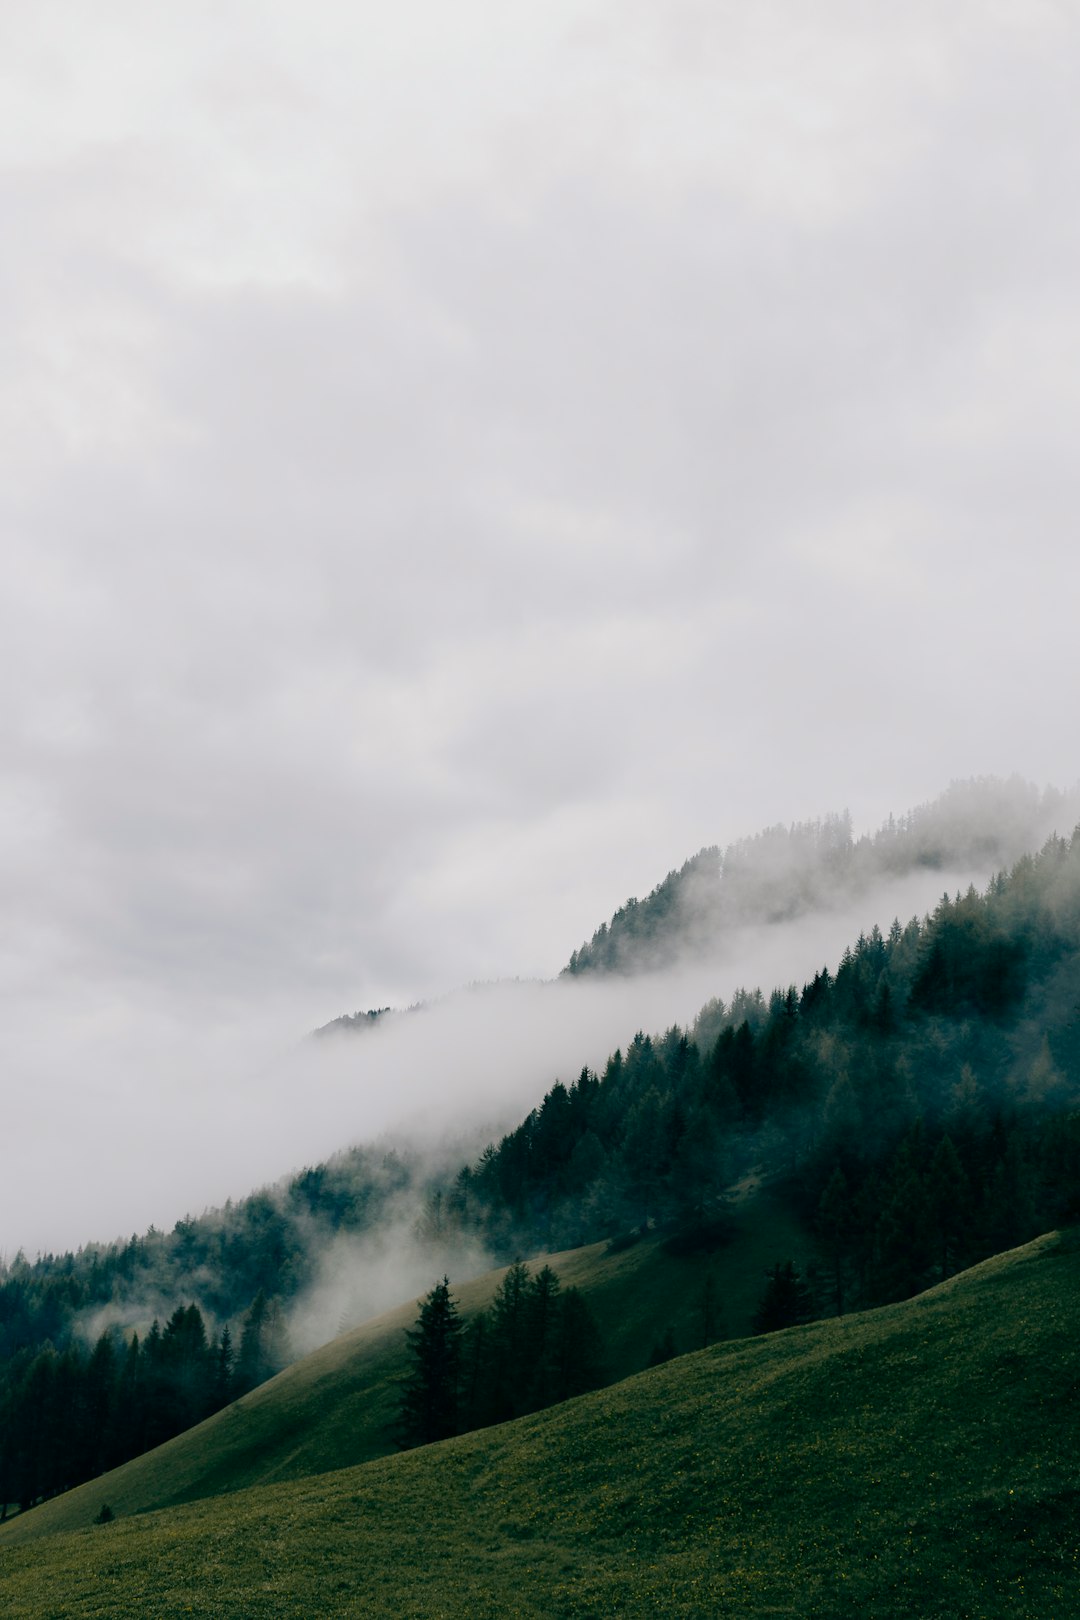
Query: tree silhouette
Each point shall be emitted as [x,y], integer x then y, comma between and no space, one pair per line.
[429,1395]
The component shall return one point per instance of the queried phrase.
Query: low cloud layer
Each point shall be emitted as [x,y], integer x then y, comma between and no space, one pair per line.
[136,1138]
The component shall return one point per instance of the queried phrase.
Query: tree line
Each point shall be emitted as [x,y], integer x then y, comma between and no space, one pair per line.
[921,1104]
[784,871]
[69,1415]
[537,1344]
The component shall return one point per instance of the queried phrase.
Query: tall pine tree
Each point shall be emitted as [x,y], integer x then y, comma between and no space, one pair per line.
[430,1392]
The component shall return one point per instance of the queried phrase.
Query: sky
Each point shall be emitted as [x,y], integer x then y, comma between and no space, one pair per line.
[455,462]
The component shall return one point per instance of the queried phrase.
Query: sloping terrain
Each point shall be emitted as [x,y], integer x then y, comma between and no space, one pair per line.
[921,1459]
[977,827]
[338,1406]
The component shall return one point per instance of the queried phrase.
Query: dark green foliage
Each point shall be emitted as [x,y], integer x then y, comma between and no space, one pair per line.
[949,1198]
[919,1103]
[124,1397]
[837,1229]
[264,1347]
[537,1344]
[509,1361]
[786,1300]
[703,1237]
[784,871]
[430,1395]
[663,1350]
[578,1351]
[66,1417]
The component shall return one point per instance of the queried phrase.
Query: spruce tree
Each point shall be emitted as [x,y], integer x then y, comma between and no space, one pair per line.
[429,1395]
[578,1349]
[835,1220]
[785,1302]
[507,1353]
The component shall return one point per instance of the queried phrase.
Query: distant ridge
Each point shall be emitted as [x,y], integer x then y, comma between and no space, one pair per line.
[353,1022]
[983,824]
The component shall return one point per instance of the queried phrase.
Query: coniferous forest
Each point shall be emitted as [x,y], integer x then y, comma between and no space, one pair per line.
[917,1104]
[537,1344]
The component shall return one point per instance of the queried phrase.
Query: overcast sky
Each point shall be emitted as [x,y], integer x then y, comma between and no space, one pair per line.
[459,460]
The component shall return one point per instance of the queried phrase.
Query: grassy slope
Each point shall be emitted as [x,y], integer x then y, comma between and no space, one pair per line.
[337,1407]
[921,1460]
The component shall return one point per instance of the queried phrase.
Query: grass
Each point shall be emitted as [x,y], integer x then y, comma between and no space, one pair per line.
[917,1461]
[338,1406]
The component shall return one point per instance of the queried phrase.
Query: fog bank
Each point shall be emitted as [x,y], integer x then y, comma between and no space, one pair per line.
[142,1130]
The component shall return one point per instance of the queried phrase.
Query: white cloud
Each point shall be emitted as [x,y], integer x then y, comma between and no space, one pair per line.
[454,464]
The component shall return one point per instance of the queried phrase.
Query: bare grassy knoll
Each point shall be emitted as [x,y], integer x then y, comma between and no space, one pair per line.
[918,1461]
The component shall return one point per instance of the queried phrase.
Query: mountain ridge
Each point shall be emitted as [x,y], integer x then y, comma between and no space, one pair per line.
[982,823]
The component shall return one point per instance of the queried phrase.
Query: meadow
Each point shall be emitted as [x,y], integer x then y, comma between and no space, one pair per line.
[916,1460]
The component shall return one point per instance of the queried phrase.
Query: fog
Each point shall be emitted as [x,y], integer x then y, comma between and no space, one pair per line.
[456,462]
[177,1127]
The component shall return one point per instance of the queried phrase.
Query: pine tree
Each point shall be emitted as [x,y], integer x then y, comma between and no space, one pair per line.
[835,1218]
[950,1201]
[785,1302]
[249,1360]
[429,1395]
[264,1344]
[507,1345]
[538,1373]
[664,1349]
[224,1360]
[578,1348]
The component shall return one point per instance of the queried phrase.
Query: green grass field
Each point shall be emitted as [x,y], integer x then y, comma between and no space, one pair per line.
[913,1463]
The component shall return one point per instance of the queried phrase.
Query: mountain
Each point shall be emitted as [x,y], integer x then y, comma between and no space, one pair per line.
[918,1109]
[931,1080]
[977,827]
[352,1023]
[919,1459]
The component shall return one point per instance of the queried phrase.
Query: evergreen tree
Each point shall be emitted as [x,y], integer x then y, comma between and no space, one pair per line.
[578,1348]
[785,1302]
[475,1359]
[430,1392]
[539,1372]
[663,1349]
[505,1394]
[950,1199]
[264,1344]
[224,1359]
[249,1363]
[835,1223]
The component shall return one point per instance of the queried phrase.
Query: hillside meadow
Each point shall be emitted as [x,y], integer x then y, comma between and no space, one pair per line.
[918,1460]
[339,1405]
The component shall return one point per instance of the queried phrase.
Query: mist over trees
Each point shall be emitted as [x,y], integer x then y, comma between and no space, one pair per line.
[66,1416]
[917,1104]
[89,1377]
[981,825]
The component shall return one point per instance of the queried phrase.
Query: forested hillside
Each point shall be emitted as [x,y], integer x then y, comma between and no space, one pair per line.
[111,1350]
[982,825]
[919,1101]
[917,1105]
